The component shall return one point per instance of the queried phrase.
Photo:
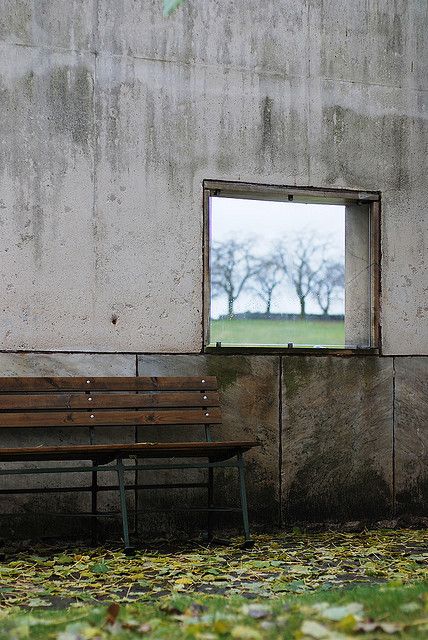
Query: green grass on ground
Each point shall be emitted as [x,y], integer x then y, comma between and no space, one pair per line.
[298,585]
[369,612]
[281,332]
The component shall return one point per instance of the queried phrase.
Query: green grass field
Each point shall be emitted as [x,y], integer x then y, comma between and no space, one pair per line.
[381,612]
[278,332]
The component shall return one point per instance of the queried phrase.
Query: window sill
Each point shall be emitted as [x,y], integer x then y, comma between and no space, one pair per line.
[291,351]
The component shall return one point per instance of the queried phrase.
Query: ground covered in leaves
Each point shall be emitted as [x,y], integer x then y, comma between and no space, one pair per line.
[330,585]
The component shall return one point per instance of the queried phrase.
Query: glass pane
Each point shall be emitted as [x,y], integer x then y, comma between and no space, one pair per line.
[278,274]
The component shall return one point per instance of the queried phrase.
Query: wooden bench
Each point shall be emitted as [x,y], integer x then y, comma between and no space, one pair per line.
[43,404]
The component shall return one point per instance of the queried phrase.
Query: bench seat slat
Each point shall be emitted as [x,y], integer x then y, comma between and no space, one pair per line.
[110,418]
[141,449]
[31,384]
[100,400]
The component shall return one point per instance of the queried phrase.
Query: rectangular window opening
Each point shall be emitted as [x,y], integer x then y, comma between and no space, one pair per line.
[290,268]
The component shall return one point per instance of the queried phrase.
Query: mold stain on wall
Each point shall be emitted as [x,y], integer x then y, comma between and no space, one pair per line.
[70,100]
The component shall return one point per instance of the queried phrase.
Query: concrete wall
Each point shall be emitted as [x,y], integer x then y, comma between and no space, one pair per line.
[112,116]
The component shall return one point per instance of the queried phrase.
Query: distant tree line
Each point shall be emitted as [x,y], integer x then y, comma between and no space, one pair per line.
[236,268]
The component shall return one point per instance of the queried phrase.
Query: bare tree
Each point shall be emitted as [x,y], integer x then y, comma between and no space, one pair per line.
[268,277]
[232,267]
[302,264]
[329,281]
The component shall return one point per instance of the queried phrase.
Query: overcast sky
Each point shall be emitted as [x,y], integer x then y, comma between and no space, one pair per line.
[267,222]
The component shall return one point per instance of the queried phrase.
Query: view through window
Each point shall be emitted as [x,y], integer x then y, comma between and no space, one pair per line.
[288,274]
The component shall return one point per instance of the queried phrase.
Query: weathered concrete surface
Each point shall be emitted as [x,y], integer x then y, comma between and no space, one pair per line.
[387,129]
[411,436]
[113,116]
[249,389]
[405,278]
[287,38]
[337,438]
[66,364]
[394,36]
[65,24]
[210,34]
[34,506]
[46,199]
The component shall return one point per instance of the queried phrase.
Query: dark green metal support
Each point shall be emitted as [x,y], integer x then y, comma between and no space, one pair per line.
[108,467]
[210,496]
[123,508]
[210,502]
[94,505]
[244,507]
[102,466]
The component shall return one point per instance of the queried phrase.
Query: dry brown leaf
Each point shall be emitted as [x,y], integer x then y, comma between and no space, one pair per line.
[112,613]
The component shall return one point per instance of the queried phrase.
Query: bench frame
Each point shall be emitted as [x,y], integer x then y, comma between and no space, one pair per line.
[116,463]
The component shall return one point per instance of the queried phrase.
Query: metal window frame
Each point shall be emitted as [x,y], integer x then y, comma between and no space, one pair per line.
[309,195]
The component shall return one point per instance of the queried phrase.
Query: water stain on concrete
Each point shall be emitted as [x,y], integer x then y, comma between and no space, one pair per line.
[320,493]
[414,499]
[267,121]
[70,99]
[227,370]
[15,21]
[342,149]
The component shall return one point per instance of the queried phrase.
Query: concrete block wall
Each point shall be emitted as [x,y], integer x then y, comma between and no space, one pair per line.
[112,117]
[341,439]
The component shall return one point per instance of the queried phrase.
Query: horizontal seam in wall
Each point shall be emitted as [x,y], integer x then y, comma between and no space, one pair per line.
[263,72]
[201,353]
[47,48]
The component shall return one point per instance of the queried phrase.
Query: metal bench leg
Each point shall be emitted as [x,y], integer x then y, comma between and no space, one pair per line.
[210,502]
[94,506]
[244,507]
[123,508]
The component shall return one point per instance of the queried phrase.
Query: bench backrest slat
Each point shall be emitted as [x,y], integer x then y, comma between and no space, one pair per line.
[102,400]
[110,418]
[30,384]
